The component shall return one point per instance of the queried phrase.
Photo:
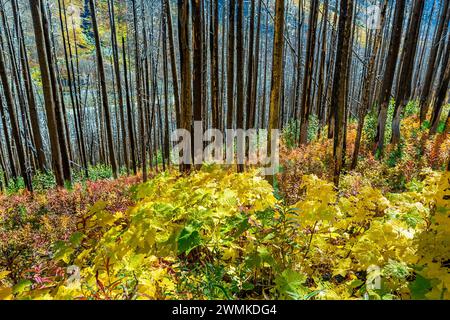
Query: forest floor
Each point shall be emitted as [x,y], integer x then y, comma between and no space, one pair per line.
[383,234]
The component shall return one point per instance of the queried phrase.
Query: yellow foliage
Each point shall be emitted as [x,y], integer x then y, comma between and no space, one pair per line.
[215,233]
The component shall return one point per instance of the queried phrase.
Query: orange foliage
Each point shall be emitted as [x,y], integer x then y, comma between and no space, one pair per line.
[399,165]
[29,223]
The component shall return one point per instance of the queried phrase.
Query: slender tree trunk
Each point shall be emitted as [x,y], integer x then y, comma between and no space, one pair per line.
[130,117]
[441,96]
[115,50]
[391,63]
[426,94]
[58,107]
[77,94]
[338,99]
[407,66]
[418,72]
[197,75]
[24,170]
[185,71]
[277,72]
[330,84]
[240,74]
[264,94]
[320,104]
[12,165]
[369,78]
[250,65]
[47,90]
[255,75]
[104,94]
[305,105]
[173,64]
[34,116]
[214,48]
[230,64]
[166,146]
[15,74]
[139,95]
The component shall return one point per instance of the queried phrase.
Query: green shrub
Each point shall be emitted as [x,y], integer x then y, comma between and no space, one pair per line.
[291,133]
[43,181]
[411,108]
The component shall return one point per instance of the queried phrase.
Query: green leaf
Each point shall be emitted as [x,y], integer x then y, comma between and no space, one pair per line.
[266,256]
[62,251]
[188,239]
[312,294]
[248,286]
[290,284]
[76,238]
[356,283]
[253,260]
[22,286]
[419,288]
[97,207]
